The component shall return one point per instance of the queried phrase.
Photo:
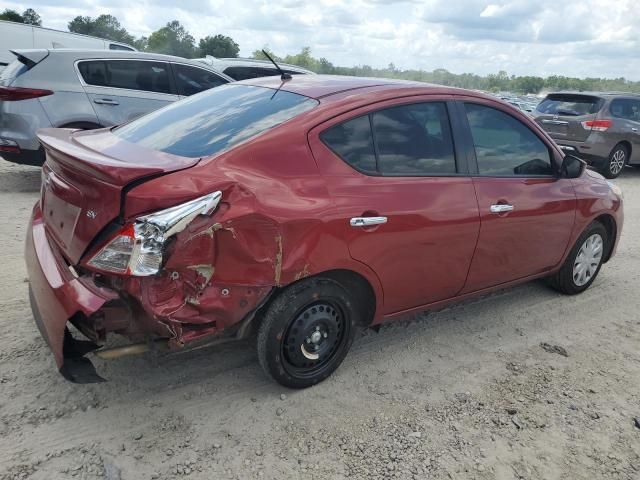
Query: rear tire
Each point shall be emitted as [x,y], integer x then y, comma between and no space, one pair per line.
[583,264]
[614,165]
[306,332]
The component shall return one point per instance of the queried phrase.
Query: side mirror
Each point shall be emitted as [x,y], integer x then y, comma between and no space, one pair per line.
[572,167]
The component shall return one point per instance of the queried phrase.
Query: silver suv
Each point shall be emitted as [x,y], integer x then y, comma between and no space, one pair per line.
[88,89]
[601,128]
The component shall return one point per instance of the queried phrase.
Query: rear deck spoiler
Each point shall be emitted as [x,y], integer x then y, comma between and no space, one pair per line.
[31,57]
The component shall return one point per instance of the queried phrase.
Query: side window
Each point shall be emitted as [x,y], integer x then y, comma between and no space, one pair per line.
[129,74]
[352,141]
[94,73]
[115,46]
[626,108]
[504,145]
[414,140]
[192,80]
[245,73]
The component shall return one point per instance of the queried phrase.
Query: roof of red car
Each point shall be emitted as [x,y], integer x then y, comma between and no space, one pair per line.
[318,86]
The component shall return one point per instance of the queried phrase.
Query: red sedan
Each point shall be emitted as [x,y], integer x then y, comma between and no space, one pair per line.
[302,209]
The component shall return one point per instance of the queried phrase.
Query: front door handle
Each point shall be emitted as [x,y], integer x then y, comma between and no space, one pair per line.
[367,221]
[105,101]
[634,129]
[501,208]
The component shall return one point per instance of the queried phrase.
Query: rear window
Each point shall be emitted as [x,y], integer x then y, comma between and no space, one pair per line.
[11,72]
[214,120]
[570,105]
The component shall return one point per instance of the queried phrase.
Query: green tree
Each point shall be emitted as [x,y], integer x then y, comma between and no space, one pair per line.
[172,39]
[11,16]
[219,46]
[103,26]
[259,54]
[29,16]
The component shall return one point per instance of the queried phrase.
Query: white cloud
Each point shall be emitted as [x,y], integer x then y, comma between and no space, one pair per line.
[573,37]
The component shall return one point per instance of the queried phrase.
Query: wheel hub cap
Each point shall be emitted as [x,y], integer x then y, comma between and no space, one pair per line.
[588,259]
[617,162]
[313,336]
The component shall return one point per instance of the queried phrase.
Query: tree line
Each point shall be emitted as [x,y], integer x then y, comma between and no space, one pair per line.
[174,39]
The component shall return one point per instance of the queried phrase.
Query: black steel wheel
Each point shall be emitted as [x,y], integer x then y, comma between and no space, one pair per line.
[306,332]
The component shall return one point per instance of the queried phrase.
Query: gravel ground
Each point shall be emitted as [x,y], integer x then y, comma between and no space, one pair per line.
[475,391]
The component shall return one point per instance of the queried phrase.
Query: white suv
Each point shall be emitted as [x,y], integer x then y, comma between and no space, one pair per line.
[88,89]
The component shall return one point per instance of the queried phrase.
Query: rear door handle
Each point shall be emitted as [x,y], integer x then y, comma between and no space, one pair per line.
[367,221]
[105,101]
[634,129]
[501,208]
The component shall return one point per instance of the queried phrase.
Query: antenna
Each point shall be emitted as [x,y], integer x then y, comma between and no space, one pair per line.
[283,75]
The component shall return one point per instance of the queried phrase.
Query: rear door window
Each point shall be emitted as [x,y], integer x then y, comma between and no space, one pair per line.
[414,140]
[626,108]
[353,142]
[215,120]
[407,140]
[505,146]
[570,105]
[192,80]
[127,74]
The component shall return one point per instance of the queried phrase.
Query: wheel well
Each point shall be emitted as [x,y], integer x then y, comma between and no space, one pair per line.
[610,225]
[626,145]
[359,287]
[81,125]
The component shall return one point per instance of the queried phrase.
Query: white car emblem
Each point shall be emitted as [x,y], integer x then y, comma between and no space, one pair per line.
[91,214]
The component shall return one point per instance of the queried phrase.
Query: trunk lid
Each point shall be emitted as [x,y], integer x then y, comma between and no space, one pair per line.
[562,115]
[85,177]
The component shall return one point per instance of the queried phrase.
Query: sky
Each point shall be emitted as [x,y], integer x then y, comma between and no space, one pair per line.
[582,38]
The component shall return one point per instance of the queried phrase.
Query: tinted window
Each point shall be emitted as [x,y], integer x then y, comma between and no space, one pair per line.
[569,104]
[352,141]
[215,120]
[115,46]
[244,73]
[504,145]
[192,80]
[129,74]
[12,71]
[414,140]
[626,108]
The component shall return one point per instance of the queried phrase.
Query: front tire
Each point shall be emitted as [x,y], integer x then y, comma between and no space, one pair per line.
[583,264]
[616,162]
[306,332]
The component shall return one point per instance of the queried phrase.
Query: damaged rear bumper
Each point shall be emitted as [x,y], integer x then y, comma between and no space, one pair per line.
[180,307]
[57,295]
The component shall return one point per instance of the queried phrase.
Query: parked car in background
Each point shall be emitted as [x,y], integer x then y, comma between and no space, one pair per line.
[88,89]
[246,68]
[602,128]
[302,209]
[14,36]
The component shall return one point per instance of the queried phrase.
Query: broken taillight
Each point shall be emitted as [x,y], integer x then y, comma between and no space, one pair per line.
[137,248]
[597,125]
[12,94]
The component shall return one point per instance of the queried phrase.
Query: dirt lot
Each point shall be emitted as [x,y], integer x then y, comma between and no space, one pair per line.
[464,393]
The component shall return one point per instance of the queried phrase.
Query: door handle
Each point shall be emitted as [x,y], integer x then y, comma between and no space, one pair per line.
[501,208]
[634,129]
[105,101]
[367,221]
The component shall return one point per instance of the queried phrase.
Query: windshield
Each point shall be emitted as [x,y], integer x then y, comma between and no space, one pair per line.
[571,105]
[214,120]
